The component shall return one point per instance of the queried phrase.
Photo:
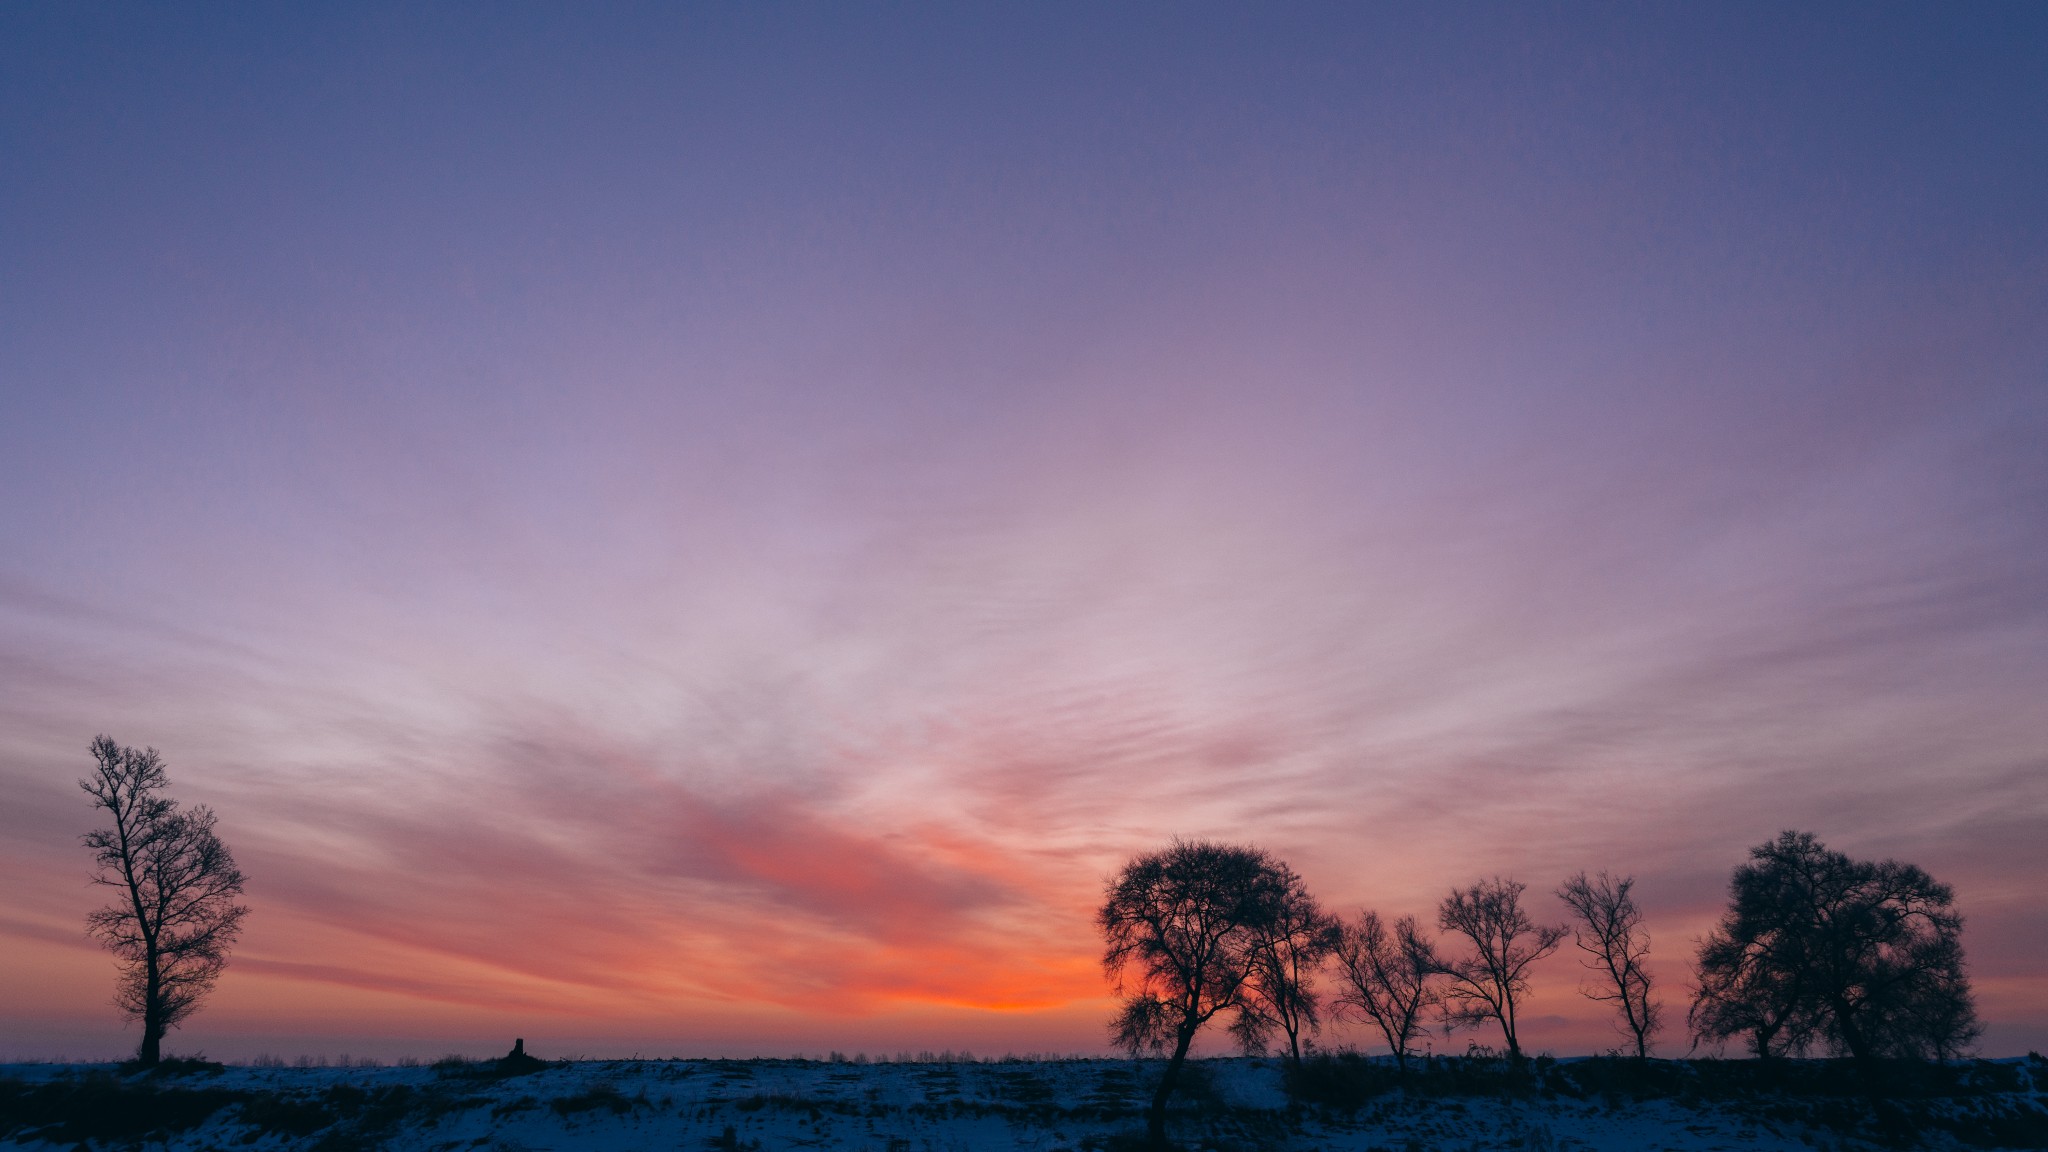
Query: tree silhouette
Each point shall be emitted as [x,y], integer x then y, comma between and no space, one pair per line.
[1290,951]
[1489,984]
[175,917]
[1610,931]
[1183,928]
[1864,958]
[1389,979]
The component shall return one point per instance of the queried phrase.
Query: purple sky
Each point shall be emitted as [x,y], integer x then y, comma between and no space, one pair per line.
[714,530]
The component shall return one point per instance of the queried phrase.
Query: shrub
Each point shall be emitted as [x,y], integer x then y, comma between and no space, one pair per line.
[1346,1081]
[597,1096]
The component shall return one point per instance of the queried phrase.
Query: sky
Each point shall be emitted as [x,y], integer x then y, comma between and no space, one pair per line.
[714,530]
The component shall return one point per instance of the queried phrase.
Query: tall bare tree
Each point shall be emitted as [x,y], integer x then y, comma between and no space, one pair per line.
[1390,980]
[1489,984]
[1290,952]
[1183,928]
[1609,930]
[175,916]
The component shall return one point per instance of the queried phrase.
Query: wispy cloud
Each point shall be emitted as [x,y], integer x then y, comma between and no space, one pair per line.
[747,526]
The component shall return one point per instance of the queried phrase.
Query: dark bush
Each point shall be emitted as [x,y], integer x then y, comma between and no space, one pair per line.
[1620,1077]
[276,1115]
[1346,1081]
[176,1066]
[597,1096]
[102,1107]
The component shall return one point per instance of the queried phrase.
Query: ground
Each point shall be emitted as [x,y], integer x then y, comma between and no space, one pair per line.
[1041,1105]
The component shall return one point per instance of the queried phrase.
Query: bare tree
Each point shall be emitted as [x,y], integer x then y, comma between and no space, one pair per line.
[1610,932]
[1389,980]
[1291,950]
[1489,984]
[175,917]
[1864,957]
[1183,928]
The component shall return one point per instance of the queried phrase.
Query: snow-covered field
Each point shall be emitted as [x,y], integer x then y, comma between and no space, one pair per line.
[913,1107]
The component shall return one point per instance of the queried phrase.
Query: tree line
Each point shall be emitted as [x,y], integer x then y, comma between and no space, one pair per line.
[1815,951]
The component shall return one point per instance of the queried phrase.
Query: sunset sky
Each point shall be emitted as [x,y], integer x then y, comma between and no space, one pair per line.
[713,530]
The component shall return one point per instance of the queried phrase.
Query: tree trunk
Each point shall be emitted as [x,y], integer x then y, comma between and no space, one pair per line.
[1869,1068]
[1852,1036]
[1635,1024]
[1761,1041]
[1867,1065]
[151,1050]
[1155,1117]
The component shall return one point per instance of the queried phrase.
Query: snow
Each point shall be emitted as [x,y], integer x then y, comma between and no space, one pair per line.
[887,1107]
